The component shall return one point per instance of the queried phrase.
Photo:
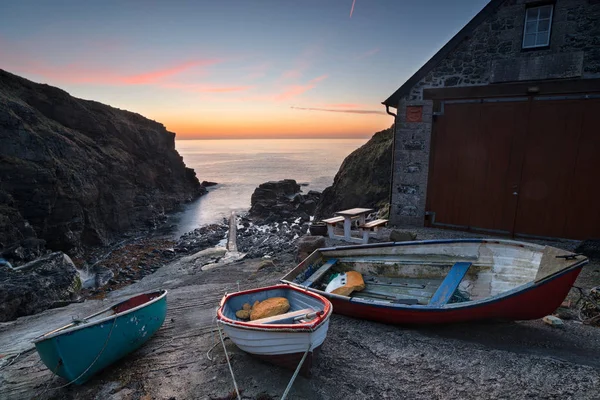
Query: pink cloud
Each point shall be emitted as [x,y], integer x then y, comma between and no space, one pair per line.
[301,63]
[296,90]
[160,74]
[342,105]
[292,74]
[201,88]
[258,71]
[81,74]
[347,111]
[369,53]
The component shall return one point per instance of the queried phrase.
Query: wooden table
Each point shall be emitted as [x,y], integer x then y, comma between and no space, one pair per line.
[353,213]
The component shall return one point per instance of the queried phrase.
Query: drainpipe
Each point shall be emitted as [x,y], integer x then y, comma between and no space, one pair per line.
[387,110]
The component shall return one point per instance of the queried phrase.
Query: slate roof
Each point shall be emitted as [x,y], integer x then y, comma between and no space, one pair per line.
[463,34]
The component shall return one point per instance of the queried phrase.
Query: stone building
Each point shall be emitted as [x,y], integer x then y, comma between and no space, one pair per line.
[499,130]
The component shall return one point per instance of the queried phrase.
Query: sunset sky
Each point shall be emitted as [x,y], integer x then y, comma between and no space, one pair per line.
[233,68]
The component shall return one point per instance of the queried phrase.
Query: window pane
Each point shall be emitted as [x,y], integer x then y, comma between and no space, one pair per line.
[532,13]
[544,25]
[545,11]
[529,40]
[542,39]
[531,27]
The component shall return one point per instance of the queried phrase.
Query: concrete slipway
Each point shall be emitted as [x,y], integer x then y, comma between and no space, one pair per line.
[359,359]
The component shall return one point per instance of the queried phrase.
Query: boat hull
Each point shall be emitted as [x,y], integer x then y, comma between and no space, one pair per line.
[280,344]
[532,303]
[510,280]
[77,354]
[284,349]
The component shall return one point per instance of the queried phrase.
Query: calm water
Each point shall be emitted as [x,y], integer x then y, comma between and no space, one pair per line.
[239,166]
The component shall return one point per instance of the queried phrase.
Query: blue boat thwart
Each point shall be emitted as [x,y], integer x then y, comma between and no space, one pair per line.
[84,347]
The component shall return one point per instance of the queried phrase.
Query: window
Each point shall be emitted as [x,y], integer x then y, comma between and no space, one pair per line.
[537,26]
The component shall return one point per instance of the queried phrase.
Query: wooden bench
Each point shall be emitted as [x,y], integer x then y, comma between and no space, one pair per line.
[281,317]
[367,227]
[450,283]
[319,273]
[331,224]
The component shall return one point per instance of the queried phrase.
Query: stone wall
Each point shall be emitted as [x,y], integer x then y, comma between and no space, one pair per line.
[492,53]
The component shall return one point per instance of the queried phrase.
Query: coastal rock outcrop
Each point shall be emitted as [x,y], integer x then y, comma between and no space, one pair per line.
[282,201]
[75,172]
[49,281]
[363,180]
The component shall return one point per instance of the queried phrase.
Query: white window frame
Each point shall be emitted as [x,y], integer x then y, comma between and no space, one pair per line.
[536,33]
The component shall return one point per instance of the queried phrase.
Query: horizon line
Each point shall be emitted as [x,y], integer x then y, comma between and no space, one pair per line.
[274,138]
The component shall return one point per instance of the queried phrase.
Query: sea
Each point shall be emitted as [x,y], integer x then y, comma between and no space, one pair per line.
[239,166]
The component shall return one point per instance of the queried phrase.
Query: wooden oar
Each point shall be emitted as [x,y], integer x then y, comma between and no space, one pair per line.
[76,322]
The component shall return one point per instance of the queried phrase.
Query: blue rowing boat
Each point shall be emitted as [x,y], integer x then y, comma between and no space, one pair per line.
[84,347]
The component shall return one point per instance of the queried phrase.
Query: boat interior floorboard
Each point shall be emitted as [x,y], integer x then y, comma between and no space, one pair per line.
[392,289]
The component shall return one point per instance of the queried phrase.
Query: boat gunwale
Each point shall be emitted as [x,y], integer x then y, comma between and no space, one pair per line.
[515,243]
[531,285]
[60,332]
[296,328]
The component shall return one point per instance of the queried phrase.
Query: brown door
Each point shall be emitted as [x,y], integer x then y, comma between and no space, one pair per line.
[519,167]
[496,178]
[451,177]
[550,157]
[583,208]
[476,159]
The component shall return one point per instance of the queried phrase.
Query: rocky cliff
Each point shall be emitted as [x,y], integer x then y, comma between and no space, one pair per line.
[363,180]
[75,172]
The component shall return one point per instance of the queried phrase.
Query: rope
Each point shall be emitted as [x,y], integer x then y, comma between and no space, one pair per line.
[588,306]
[88,368]
[15,358]
[237,392]
[289,386]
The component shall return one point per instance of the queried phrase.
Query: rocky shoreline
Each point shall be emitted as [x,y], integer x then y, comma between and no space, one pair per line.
[277,219]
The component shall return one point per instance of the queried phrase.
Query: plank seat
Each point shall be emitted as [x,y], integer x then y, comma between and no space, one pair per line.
[333,220]
[318,274]
[449,285]
[367,227]
[373,224]
[281,317]
[331,224]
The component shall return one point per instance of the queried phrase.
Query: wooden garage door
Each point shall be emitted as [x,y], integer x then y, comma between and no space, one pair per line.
[517,166]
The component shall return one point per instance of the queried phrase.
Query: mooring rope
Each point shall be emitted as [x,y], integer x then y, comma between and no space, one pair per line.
[88,368]
[237,392]
[298,368]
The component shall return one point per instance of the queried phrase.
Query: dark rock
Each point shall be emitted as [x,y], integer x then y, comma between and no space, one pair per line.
[307,245]
[590,248]
[402,236]
[318,229]
[44,283]
[208,184]
[102,275]
[75,172]
[276,201]
[265,264]
[363,180]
